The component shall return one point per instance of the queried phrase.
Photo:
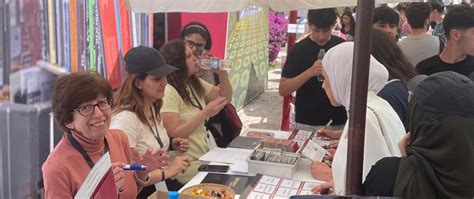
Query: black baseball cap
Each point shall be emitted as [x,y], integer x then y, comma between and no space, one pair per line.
[144,59]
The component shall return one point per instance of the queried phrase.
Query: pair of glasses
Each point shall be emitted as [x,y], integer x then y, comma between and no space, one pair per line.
[88,109]
[199,47]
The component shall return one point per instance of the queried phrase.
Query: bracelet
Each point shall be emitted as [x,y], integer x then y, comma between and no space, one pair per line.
[162,174]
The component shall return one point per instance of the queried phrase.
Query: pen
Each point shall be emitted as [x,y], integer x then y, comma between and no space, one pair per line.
[134,167]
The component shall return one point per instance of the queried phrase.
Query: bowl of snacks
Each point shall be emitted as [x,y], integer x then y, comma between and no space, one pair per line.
[210,190]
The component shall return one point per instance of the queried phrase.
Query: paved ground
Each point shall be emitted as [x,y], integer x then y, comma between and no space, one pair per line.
[264,112]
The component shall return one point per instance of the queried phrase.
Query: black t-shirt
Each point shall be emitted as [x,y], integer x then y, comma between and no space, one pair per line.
[435,64]
[312,105]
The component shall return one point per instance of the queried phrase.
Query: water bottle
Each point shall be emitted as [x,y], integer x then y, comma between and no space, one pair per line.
[321,54]
[214,64]
[173,195]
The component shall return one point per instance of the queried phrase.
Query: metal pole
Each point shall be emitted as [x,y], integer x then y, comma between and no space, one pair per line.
[360,76]
[285,119]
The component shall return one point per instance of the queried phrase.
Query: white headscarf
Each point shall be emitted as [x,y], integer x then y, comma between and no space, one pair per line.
[337,64]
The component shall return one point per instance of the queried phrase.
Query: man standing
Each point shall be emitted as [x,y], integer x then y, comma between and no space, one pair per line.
[419,46]
[458,53]
[301,69]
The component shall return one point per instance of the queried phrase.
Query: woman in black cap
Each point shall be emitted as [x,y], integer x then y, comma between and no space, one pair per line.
[437,156]
[138,102]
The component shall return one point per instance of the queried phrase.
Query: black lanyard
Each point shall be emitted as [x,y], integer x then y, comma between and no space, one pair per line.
[81,150]
[155,133]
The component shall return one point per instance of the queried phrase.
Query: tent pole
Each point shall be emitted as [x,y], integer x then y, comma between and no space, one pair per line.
[360,75]
[285,119]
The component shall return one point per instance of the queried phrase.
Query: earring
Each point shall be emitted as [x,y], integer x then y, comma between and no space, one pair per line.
[140,88]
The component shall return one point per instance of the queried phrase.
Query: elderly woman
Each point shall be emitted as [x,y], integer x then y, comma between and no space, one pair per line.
[383,128]
[137,111]
[438,154]
[81,104]
[188,102]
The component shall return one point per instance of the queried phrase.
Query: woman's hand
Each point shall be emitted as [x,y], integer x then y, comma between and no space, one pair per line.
[151,159]
[180,144]
[325,188]
[180,164]
[119,175]
[321,171]
[215,106]
[327,134]
[406,139]
[330,155]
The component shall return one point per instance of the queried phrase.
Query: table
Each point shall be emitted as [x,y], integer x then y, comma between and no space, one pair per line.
[303,172]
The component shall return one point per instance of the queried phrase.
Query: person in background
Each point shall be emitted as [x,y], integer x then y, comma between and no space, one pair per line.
[400,71]
[436,19]
[301,69]
[458,53]
[198,38]
[136,112]
[437,156]
[188,102]
[348,26]
[383,128]
[387,20]
[400,9]
[81,104]
[419,46]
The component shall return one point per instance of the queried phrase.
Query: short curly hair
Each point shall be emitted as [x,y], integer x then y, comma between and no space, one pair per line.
[71,90]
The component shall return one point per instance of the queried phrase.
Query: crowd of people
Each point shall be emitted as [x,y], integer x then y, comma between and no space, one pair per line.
[417,139]
[402,149]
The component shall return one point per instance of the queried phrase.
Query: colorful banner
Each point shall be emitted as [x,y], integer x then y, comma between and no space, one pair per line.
[247,47]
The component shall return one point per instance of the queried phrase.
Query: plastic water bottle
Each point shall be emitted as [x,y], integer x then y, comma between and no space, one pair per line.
[321,54]
[214,64]
[173,195]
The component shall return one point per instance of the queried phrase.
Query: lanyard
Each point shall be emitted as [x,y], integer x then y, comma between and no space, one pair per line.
[81,150]
[155,132]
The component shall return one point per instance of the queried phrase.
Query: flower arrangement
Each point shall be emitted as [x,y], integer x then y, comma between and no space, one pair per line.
[278,27]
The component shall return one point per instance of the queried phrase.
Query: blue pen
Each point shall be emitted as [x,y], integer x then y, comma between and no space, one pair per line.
[134,167]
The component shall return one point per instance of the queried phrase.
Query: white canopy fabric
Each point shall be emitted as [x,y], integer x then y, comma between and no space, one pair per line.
[154,6]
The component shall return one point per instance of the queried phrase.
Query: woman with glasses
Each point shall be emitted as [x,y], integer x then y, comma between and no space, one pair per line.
[137,112]
[81,104]
[188,102]
[198,39]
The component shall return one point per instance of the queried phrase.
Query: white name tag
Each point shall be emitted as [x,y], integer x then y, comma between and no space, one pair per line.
[314,151]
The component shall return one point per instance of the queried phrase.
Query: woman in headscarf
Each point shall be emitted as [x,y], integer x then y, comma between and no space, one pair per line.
[383,128]
[439,154]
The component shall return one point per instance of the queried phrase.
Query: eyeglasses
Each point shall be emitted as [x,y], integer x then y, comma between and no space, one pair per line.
[199,47]
[193,44]
[88,109]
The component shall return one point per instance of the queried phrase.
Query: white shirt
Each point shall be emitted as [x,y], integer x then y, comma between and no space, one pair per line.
[383,131]
[140,136]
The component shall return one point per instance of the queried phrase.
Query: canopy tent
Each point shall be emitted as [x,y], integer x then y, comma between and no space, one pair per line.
[154,6]
[362,48]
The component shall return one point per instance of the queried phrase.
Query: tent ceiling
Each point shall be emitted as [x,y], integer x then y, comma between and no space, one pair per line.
[153,6]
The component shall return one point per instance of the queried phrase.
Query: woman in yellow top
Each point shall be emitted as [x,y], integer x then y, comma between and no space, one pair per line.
[188,102]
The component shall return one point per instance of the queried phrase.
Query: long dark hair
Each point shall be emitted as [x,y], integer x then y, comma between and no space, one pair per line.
[387,52]
[174,53]
[129,98]
[351,23]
